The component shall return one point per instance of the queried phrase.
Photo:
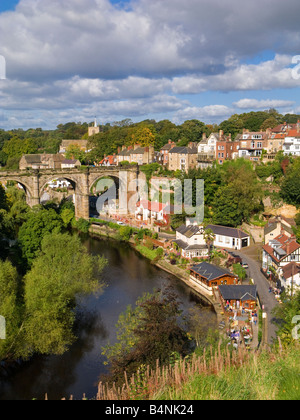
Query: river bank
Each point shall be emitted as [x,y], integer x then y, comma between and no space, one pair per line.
[127,277]
[183,275]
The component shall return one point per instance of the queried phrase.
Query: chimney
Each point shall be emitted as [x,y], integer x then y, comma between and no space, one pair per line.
[123,148]
[229,137]
[170,141]
[119,150]
[204,136]
[221,133]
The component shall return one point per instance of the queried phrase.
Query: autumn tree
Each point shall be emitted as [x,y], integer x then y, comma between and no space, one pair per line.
[143,136]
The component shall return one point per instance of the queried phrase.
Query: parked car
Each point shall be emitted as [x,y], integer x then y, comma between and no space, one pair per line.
[121,223]
[245,265]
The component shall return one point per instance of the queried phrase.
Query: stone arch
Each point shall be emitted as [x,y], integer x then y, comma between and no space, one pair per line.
[44,180]
[28,190]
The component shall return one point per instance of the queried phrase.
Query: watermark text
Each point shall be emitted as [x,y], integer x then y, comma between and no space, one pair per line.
[2,328]
[2,68]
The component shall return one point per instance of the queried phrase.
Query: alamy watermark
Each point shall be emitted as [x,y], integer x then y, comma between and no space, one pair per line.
[187,196]
[2,67]
[296,69]
[2,328]
[296,329]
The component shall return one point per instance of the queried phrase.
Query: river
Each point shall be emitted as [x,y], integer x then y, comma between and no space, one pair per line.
[128,276]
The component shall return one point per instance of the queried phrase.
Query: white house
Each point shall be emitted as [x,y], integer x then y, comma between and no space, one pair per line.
[227,237]
[150,210]
[280,251]
[190,240]
[289,276]
[291,145]
[70,163]
[207,150]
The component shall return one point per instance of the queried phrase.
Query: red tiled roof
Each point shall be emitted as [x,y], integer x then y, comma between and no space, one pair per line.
[289,245]
[270,251]
[151,205]
[293,133]
[290,270]
[110,159]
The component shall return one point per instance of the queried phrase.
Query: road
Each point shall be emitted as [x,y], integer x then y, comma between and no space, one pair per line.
[267,299]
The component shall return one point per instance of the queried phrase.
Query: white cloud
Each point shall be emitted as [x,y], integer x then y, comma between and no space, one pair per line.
[263,104]
[209,113]
[88,56]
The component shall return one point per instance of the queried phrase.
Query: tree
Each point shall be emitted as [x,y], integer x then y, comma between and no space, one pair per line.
[125,232]
[209,238]
[67,216]
[74,152]
[286,313]
[39,222]
[143,136]
[10,309]
[239,271]
[239,197]
[290,188]
[63,272]
[155,333]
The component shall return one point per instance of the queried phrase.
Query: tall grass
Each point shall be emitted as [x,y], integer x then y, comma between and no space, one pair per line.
[220,375]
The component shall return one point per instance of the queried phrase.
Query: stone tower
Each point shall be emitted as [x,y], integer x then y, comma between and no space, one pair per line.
[94,130]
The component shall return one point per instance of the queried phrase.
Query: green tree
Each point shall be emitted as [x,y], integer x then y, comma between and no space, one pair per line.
[63,272]
[125,232]
[286,312]
[67,216]
[39,222]
[239,197]
[10,309]
[155,333]
[209,238]
[290,188]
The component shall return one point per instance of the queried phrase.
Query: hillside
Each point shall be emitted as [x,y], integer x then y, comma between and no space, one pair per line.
[267,375]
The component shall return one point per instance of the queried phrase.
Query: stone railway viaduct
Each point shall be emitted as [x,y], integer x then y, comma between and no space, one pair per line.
[82,180]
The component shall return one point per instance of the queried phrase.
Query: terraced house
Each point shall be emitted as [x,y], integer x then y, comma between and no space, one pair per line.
[252,144]
[280,252]
[183,158]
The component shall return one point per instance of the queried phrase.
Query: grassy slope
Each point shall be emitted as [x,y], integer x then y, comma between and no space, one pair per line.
[267,377]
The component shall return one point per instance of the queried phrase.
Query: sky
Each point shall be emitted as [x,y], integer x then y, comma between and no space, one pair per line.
[74,60]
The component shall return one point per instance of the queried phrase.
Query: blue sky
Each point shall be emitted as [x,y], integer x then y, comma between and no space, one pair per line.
[161,59]
[7,5]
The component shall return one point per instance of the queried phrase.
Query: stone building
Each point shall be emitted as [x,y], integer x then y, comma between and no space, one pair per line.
[47,161]
[183,158]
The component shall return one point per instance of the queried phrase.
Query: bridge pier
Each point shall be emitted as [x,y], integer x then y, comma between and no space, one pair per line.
[35,199]
[82,206]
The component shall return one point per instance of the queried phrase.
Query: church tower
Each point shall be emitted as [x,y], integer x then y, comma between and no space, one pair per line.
[94,130]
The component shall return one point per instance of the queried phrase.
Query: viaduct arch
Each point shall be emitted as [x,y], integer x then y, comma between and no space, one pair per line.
[82,180]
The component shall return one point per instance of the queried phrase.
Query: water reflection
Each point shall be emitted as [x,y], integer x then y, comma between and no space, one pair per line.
[127,276]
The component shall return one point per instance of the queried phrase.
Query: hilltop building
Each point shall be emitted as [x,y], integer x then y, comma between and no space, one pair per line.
[95,129]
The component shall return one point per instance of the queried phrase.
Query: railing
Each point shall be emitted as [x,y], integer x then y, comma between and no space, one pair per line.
[205,158]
